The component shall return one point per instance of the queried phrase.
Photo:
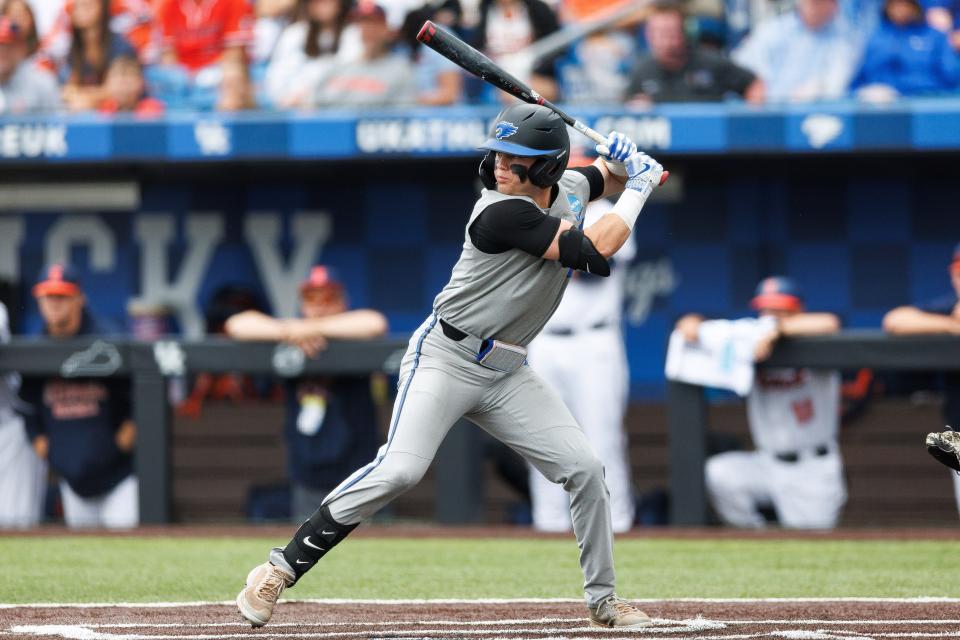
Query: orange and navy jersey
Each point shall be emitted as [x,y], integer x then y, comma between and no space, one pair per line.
[199,30]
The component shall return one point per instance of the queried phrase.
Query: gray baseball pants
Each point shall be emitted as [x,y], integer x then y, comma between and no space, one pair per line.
[440,382]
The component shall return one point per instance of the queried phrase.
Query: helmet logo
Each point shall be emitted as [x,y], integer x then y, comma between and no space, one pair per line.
[504,129]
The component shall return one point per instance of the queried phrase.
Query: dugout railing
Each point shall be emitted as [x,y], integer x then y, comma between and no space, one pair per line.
[460,494]
[151,365]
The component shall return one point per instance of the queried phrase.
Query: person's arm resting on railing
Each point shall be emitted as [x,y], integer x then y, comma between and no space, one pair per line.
[913,321]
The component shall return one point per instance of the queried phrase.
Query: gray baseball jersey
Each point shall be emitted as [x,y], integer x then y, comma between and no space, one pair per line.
[510,296]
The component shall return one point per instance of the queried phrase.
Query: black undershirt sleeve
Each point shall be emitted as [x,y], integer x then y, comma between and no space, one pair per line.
[513,224]
[594,178]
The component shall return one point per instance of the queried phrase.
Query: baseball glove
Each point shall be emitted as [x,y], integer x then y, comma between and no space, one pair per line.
[945,447]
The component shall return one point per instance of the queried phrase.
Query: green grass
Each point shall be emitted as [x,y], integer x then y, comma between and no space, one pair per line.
[142,569]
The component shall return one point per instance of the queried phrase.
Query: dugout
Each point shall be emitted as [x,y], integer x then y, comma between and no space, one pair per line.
[859,206]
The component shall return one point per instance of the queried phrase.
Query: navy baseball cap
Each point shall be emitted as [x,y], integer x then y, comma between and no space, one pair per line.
[57,280]
[320,276]
[777,293]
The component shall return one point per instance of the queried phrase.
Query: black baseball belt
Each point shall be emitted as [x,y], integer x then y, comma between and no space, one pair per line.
[794,456]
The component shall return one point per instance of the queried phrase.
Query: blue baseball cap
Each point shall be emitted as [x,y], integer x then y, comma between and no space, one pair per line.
[57,280]
[777,293]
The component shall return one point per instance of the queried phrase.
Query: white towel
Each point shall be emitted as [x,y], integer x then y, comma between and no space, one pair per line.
[723,355]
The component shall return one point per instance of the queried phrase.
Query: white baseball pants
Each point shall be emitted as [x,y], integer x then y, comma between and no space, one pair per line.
[807,494]
[23,476]
[119,508]
[589,371]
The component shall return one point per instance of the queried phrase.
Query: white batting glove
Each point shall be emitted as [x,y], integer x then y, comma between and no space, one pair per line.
[616,151]
[643,173]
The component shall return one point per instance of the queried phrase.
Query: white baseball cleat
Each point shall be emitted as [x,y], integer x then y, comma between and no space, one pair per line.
[616,612]
[265,583]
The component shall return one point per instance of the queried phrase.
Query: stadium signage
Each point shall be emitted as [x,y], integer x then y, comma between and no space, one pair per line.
[649,132]
[406,135]
[33,140]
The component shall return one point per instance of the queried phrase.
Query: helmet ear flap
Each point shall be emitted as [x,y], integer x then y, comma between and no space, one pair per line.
[486,171]
[545,172]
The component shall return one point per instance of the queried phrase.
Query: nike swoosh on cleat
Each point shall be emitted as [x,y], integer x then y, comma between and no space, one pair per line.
[307,542]
[303,562]
[327,533]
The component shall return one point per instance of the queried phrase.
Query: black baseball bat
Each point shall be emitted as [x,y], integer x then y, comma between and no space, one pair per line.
[466,57]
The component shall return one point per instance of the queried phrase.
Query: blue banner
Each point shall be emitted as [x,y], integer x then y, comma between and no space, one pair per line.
[906,126]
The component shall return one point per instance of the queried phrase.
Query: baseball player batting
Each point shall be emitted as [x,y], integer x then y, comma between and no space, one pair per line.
[468,358]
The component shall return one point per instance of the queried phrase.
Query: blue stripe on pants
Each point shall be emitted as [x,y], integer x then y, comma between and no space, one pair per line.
[396,417]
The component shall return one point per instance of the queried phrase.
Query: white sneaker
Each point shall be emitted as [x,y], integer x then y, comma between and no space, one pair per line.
[616,612]
[265,583]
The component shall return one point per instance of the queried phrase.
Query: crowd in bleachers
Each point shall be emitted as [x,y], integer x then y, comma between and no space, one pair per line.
[150,56]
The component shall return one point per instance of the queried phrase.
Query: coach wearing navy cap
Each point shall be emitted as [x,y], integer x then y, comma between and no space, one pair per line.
[940,316]
[82,425]
[793,416]
[330,422]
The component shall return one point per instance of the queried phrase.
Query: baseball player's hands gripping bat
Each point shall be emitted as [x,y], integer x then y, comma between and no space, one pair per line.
[469,59]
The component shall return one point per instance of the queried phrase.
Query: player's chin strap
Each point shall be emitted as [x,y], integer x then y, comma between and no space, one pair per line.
[313,540]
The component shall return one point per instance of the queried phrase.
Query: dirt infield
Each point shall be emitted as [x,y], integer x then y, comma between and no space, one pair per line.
[516,620]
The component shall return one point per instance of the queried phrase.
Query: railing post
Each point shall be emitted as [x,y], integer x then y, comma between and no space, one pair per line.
[151,413]
[459,468]
[687,417]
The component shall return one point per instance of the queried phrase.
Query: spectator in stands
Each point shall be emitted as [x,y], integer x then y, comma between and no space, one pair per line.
[82,425]
[675,71]
[940,316]
[92,47]
[507,27]
[21,14]
[906,57]
[24,87]
[380,76]
[236,90]
[124,89]
[596,70]
[200,39]
[330,424]
[308,50]
[198,35]
[807,54]
[131,19]
[794,418]
[272,17]
[944,15]
[438,80]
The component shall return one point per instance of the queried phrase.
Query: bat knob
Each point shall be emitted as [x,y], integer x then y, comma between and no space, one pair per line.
[663,178]
[427,31]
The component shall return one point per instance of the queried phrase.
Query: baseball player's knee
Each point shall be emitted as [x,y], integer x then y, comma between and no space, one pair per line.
[583,470]
[719,475]
[403,471]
